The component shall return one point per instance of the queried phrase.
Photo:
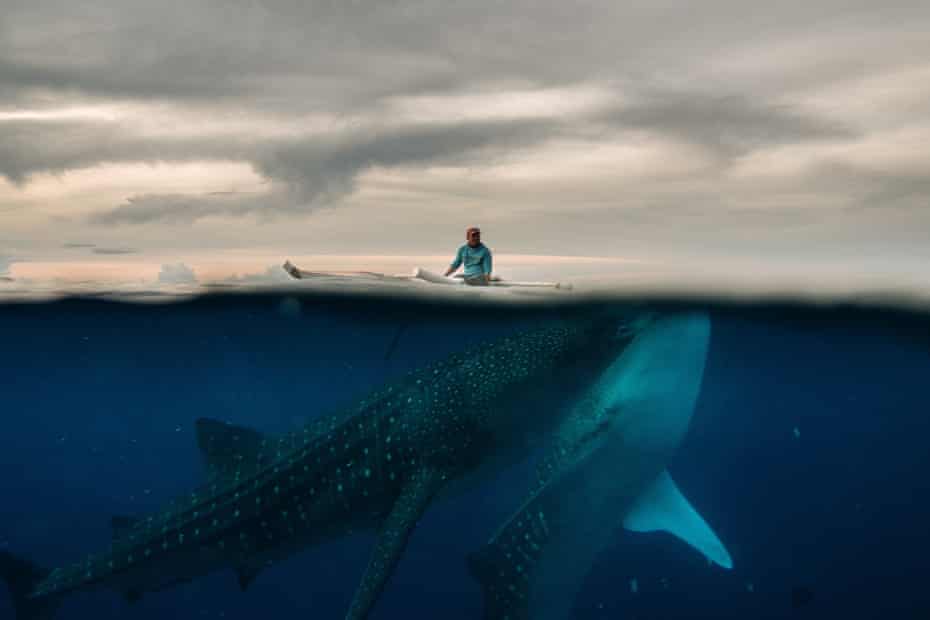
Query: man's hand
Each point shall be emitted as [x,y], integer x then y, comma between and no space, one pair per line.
[448,271]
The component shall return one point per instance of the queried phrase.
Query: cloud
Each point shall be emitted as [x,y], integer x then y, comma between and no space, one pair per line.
[114,251]
[286,61]
[272,274]
[29,147]
[870,188]
[727,125]
[5,262]
[325,168]
[386,110]
[305,174]
[178,208]
[177,273]
[336,54]
[278,53]
[289,56]
[78,245]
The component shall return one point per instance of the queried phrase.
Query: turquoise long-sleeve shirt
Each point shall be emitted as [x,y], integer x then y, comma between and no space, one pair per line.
[477,260]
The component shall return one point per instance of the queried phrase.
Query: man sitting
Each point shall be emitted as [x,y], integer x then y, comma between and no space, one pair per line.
[476,257]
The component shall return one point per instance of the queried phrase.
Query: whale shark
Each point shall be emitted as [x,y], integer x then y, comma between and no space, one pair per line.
[375,465]
[605,471]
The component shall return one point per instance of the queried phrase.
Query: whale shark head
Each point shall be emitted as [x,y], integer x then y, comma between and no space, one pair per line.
[647,393]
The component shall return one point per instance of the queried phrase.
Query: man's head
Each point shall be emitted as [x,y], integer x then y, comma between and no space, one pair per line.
[473,236]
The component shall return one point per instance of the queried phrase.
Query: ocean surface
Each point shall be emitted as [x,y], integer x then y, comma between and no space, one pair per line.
[807,453]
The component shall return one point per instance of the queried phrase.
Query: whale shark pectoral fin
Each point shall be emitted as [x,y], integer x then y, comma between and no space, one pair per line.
[505,567]
[414,497]
[662,507]
[226,447]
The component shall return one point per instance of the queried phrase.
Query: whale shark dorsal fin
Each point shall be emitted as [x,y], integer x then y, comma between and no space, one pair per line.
[226,447]
[661,506]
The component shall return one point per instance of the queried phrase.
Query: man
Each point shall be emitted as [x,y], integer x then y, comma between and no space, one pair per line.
[476,257]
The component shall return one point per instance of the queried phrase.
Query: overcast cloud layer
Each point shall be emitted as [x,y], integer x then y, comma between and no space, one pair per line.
[565,128]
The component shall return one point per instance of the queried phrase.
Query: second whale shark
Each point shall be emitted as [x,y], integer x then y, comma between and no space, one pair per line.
[605,471]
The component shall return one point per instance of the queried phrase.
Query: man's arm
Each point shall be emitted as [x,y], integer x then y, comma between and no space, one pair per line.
[486,265]
[455,263]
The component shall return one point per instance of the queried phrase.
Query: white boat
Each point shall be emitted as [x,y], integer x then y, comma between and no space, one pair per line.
[417,275]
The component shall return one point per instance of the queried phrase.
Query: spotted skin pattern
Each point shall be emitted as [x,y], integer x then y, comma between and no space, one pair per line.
[375,465]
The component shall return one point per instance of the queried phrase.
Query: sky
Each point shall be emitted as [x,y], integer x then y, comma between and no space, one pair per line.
[174,133]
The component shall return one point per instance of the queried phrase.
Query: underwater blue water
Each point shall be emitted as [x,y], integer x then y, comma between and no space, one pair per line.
[807,454]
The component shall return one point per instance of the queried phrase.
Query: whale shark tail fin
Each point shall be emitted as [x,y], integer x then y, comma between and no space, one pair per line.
[21,577]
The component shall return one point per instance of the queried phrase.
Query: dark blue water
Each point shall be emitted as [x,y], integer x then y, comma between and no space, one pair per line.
[807,454]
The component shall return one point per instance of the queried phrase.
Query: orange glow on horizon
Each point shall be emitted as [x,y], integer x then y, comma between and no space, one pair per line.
[207,269]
